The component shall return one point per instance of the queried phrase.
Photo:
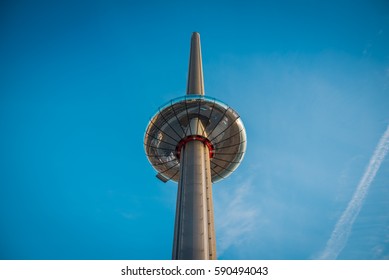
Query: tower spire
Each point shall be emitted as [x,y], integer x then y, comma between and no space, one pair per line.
[195,73]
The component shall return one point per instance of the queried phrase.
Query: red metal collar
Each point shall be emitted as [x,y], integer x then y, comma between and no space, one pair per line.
[194,138]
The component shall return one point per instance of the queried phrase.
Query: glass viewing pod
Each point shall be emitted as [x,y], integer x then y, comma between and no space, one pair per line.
[195,117]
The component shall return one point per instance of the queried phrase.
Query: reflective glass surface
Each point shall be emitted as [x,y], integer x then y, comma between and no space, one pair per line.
[221,125]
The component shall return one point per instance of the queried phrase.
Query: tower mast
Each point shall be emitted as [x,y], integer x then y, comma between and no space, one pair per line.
[195,72]
[194,233]
[195,140]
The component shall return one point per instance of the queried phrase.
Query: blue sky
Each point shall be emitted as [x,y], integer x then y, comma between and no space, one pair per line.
[79,81]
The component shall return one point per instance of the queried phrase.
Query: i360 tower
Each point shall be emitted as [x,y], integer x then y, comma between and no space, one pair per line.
[195,140]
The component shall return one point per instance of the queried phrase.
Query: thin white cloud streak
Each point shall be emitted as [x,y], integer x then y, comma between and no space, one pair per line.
[341,232]
[237,218]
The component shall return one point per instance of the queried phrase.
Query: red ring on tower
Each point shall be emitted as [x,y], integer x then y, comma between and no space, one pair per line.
[194,138]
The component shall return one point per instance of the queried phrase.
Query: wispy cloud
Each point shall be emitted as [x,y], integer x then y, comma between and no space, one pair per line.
[237,216]
[341,232]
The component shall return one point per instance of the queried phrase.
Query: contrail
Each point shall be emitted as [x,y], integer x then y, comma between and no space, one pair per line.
[342,230]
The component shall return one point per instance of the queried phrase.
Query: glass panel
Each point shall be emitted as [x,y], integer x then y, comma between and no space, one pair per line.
[216,117]
[225,128]
[174,124]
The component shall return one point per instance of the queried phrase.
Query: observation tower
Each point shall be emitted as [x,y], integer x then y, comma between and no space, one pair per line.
[195,140]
